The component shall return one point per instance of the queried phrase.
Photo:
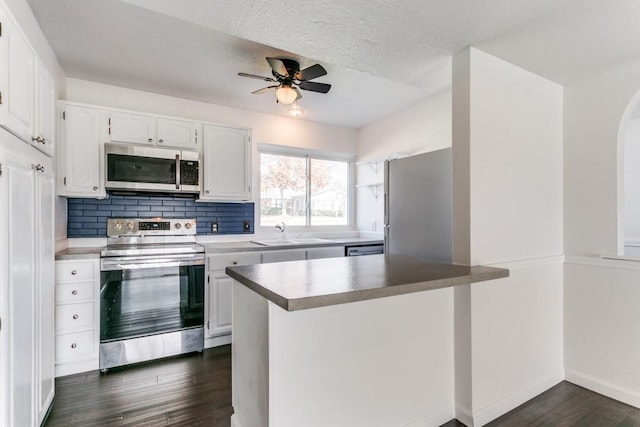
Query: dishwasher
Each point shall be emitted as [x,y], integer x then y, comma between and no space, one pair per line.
[366,249]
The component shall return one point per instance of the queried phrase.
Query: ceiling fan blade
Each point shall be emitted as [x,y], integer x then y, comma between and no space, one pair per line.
[278,66]
[315,87]
[264,89]
[311,73]
[253,76]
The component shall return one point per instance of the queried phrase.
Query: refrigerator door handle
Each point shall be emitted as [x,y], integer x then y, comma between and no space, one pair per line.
[386,192]
[386,239]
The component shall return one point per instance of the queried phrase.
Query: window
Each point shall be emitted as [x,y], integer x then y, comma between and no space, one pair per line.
[301,189]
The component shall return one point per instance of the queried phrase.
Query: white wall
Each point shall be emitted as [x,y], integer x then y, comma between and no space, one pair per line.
[602,321]
[423,127]
[508,201]
[632,182]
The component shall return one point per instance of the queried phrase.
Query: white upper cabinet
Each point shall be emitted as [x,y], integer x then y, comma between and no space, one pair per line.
[17,81]
[226,170]
[46,111]
[132,128]
[151,130]
[81,168]
[179,134]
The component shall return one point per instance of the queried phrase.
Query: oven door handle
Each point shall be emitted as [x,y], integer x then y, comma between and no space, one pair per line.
[129,263]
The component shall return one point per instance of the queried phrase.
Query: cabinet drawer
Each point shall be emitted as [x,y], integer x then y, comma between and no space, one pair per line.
[219,262]
[73,271]
[75,316]
[75,346]
[74,292]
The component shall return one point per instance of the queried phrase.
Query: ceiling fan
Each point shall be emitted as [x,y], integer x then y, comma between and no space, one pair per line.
[289,77]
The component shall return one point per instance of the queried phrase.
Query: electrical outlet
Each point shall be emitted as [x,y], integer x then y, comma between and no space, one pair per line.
[214,226]
[246,226]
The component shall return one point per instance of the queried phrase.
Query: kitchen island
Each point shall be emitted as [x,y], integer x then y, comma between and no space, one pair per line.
[356,341]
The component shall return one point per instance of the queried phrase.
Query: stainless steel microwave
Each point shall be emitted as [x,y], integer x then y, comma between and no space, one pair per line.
[134,168]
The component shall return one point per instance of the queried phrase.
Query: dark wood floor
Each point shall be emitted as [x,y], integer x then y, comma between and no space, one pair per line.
[192,390]
[196,390]
[567,405]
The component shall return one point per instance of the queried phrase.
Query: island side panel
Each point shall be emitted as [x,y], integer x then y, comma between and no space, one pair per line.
[249,358]
[380,362]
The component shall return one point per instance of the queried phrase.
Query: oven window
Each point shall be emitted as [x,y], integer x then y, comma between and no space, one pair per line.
[140,169]
[148,301]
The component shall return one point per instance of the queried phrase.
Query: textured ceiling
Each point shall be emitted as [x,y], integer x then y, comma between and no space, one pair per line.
[381,55]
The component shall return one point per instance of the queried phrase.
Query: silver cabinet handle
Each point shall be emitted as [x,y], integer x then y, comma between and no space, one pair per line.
[235,263]
[74,292]
[95,188]
[38,167]
[206,191]
[74,272]
[160,141]
[35,138]
[74,345]
[150,140]
[75,317]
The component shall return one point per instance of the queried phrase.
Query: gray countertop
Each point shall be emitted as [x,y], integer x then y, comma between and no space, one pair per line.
[225,247]
[300,285]
[78,253]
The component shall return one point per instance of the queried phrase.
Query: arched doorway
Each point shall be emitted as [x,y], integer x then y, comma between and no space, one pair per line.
[629,188]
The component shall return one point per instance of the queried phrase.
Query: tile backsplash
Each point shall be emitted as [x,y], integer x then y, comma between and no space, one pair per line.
[88,217]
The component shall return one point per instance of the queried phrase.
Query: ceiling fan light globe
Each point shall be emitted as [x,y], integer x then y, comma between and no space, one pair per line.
[286,95]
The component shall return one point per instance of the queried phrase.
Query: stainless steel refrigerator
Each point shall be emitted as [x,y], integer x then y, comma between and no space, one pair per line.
[417,206]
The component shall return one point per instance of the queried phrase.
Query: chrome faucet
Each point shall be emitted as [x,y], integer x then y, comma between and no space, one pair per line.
[281,226]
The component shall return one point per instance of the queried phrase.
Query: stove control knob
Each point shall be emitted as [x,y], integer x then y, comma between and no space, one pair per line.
[117,226]
[130,225]
[187,225]
[178,225]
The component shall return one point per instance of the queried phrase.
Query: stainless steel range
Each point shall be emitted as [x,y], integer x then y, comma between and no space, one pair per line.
[151,291]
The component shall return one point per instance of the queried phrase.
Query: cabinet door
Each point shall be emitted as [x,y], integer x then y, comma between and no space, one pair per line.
[44,197]
[45,112]
[179,134]
[227,164]
[17,77]
[220,304]
[334,252]
[280,256]
[80,166]
[132,128]
[20,293]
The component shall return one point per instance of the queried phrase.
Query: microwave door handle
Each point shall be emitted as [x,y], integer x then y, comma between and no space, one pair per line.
[177,171]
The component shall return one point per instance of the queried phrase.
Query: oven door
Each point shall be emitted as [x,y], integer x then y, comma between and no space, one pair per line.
[142,168]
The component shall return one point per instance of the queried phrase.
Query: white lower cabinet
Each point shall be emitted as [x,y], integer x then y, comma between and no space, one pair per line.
[26,283]
[218,293]
[77,316]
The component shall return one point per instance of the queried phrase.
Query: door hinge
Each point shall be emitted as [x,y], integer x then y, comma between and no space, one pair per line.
[207,324]
[109,125]
[196,136]
[64,180]
[0,169]
[0,97]
[64,115]
[208,279]
[0,29]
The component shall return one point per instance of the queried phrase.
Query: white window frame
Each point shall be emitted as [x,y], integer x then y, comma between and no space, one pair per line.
[284,150]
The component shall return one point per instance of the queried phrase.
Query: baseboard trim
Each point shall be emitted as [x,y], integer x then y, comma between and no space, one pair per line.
[436,419]
[463,414]
[621,394]
[76,367]
[506,404]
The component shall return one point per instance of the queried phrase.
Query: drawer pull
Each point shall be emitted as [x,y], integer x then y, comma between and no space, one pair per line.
[75,317]
[74,292]
[235,263]
[74,272]
[74,345]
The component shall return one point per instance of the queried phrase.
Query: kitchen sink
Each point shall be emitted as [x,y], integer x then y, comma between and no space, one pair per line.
[285,242]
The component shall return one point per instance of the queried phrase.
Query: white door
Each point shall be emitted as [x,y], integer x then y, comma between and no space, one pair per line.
[132,128]
[44,282]
[220,304]
[179,134]
[227,164]
[45,113]
[80,154]
[19,177]
[17,77]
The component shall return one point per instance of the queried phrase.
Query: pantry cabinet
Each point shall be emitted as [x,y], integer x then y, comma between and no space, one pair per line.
[226,172]
[26,285]
[27,90]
